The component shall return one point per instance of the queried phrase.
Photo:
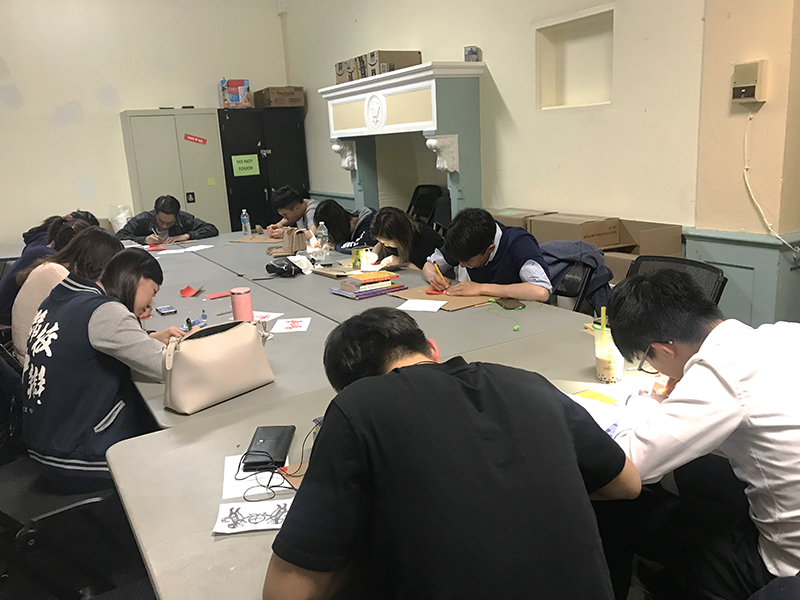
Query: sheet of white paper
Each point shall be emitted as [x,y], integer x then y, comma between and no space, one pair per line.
[198,247]
[233,488]
[251,516]
[265,316]
[165,252]
[607,416]
[422,305]
[288,325]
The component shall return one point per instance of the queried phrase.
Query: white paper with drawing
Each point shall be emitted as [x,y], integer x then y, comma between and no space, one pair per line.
[251,516]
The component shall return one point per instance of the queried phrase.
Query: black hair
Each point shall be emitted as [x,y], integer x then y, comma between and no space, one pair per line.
[168,205]
[470,233]
[394,224]
[121,276]
[85,215]
[286,197]
[63,229]
[87,254]
[366,344]
[662,306]
[336,219]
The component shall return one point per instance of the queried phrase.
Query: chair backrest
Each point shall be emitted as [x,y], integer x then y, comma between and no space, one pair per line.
[710,278]
[575,284]
[442,214]
[423,201]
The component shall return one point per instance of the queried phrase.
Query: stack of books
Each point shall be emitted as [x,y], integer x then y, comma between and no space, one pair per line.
[367,285]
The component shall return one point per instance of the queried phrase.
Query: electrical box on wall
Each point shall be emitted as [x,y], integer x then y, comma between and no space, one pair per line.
[750,82]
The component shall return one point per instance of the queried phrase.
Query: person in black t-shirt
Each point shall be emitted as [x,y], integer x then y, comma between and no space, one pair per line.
[401,239]
[449,480]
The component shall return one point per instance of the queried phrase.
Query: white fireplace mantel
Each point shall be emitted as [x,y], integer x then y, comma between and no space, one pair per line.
[439,99]
[396,102]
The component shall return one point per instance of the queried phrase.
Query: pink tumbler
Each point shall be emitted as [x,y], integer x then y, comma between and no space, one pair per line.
[242,304]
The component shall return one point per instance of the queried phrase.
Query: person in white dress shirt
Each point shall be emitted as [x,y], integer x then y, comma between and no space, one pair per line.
[734,395]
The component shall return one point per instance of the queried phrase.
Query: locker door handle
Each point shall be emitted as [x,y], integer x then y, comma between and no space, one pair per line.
[265,152]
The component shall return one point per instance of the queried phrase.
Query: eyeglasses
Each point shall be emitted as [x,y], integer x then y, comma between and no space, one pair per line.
[642,362]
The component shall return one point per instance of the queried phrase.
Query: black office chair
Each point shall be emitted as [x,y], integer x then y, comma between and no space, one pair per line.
[710,278]
[574,285]
[441,214]
[423,201]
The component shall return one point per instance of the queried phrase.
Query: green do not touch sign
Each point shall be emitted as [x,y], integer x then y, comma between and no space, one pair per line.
[245,164]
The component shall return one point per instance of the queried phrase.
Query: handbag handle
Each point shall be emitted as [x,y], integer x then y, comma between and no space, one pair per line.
[169,353]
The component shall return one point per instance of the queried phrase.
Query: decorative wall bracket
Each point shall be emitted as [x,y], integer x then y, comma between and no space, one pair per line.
[346,149]
[446,149]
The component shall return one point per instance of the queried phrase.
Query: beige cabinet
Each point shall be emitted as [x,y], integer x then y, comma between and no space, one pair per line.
[177,152]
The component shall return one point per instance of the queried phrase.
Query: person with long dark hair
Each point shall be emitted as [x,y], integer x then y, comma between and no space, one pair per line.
[402,239]
[43,240]
[346,229]
[86,255]
[84,342]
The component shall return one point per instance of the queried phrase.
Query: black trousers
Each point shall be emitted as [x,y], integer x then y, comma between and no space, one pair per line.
[705,542]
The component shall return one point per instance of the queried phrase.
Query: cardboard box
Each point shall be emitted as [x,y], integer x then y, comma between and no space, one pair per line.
[375,63]
[346,71]
[637,238]
[600,231]
[515,217]
[384,61]
[235,93]
[279,96]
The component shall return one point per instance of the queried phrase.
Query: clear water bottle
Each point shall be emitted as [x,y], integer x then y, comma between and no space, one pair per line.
[246,223]
[322,238]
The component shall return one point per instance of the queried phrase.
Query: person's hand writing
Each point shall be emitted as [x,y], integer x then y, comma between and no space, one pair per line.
[274,231]
[390,261]
[152,239]
[163,336]
[439,283]
[177,239]
[465,288]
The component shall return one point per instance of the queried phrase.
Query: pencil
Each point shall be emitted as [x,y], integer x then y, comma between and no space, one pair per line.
[439,271]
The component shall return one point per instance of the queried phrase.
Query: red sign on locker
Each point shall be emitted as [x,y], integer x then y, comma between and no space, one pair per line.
[193,138]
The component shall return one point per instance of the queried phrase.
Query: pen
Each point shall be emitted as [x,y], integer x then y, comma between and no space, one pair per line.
[224,312]
[189,323]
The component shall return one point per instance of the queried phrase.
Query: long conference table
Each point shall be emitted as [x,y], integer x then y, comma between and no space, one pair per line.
[170,481]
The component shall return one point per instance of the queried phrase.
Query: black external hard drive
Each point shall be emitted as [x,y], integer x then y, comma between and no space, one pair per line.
[268,448]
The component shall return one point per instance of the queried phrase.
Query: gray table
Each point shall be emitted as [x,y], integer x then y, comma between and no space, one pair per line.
[455,332]
[170,483]
[295,358]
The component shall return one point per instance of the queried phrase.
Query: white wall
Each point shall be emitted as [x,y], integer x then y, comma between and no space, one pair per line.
[69,67]
[743,31]
[634,158]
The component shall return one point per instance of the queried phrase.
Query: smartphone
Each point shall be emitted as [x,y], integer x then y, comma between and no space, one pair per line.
[166,310]
[509,303]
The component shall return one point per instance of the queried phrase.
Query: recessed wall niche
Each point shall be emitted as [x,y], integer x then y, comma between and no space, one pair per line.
[574,61]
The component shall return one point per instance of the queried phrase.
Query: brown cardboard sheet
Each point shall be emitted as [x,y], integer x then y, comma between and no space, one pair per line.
[453,302]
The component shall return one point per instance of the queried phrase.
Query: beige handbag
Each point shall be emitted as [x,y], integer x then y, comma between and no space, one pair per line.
[293,241]
[214,364]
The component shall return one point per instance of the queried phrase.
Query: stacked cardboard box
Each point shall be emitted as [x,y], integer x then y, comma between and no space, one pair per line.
[515,217]
[637,238]
[375,63]
[600,231]
[622,240]
[279,96]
